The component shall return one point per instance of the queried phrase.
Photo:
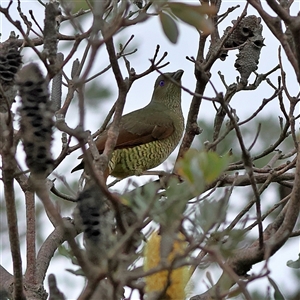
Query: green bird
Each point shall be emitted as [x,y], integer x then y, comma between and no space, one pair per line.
[147,136]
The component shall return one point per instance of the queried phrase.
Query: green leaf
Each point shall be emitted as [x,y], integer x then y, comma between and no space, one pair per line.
[76,5]
[210,278]
[142,198]
[213,212]
[226,240]
[160,2]
[194,15]
[176,200]
[188,168]
[294,264]
[169,27]
[200,168]
[78,272]
[64,251]
[277,294]
[212,165]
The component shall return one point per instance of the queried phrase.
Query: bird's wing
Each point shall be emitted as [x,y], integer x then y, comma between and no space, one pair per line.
[136,130]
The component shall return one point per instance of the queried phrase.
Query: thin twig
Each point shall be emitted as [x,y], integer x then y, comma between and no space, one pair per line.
[248,167]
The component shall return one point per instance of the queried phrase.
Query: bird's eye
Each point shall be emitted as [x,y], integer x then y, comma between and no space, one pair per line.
[162,83]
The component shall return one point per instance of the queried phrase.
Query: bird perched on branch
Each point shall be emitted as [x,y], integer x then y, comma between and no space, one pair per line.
[147,136]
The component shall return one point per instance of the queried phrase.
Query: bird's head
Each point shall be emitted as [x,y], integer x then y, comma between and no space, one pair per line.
[167,89]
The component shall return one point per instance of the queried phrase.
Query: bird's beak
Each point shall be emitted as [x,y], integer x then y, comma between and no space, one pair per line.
[177,75]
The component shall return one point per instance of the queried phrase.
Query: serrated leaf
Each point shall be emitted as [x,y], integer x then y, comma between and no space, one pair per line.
[294,264]
[277,294]
[194,15]
[169,27]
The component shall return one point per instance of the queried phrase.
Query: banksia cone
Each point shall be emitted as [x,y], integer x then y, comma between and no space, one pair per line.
[36,119]
[247,28]
[248,58]
[248,37]
[10,62]
[97,223]
[157,282]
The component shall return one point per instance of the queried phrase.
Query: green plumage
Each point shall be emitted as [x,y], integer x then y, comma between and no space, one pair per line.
[149,135]
[133,161]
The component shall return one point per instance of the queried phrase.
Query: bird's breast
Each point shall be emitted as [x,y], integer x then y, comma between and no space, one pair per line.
[135,160]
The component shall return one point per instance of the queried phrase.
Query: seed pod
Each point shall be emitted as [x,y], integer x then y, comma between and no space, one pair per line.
[97,223]
[247,36]
[51,26]
[36,120]
[10,62]
[248,58]
[247,28]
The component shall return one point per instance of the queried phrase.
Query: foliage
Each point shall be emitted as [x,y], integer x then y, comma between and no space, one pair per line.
[146,239]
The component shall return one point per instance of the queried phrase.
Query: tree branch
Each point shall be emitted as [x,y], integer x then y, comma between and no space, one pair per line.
[50,245]
[30,274]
